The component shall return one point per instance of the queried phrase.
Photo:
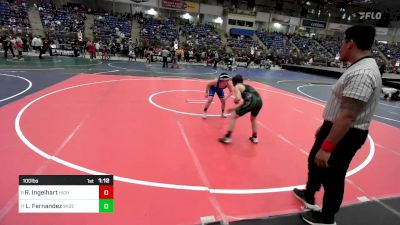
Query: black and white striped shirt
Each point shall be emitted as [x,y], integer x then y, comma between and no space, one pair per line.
[361,81]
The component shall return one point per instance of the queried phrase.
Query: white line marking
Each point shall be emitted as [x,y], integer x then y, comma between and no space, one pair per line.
[302,81]
[293,96]
[387,149]
[292,81]
[117,67]
[200,170]
[307,85]
[176,111]
[33,69]
[394,113]
[8,206]
[157,184]
[297,110]
[195,159]
[207,220]
[378,145]
[397,107]
[310,85]
[162,185]
[20,93]
[185,73]
[382,117]
[391,209]
[194,100]
[282,138]
[198,101]
[284,81]
[70,136]
[182,78]
[13,201]
[255,191]
[49,69]
[190,102]
[363,199]
[394,211]
[366,161]
[150,71]
[105,72]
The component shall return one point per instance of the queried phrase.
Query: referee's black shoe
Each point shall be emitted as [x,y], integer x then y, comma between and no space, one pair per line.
[309,202]
[317,218]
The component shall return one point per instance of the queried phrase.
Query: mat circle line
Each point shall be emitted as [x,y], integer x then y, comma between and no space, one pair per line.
[176,111]
[19,93]
[158,184]
[313,85]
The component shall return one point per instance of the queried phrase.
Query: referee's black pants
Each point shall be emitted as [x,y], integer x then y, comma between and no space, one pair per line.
[333,177]
[165,62]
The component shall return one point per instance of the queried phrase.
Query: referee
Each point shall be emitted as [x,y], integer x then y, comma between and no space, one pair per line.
[347,116]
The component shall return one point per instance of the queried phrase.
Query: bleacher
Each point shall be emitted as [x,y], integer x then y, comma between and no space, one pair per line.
[159,30]
[60,21]
[276,41]
[201,35]
[392,51]
[14,14]
[107,26]
[310,46]
[332,46]
[242,43]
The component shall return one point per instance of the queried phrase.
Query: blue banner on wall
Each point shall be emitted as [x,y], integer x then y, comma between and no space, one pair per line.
[238,31]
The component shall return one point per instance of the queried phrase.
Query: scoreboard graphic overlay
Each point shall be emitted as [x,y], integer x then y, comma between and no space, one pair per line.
[66,194]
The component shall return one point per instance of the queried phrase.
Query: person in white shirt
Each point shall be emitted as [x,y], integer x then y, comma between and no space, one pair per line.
[19,46]
[391,93]
[347,117]
[165,53]
[132,54]
[97,46]
[34,43]
[311,61]
[39,44]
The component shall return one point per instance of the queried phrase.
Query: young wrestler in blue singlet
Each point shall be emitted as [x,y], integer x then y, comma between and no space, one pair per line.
[218,86]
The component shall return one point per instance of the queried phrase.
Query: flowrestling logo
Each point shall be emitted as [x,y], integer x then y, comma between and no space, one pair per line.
[370,15]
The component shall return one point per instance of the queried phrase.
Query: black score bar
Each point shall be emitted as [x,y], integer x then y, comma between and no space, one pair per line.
[66,180]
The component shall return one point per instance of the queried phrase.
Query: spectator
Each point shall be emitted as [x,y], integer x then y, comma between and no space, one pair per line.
[97,46]
[7,46]
[92,50]
[165,53]
[19,46]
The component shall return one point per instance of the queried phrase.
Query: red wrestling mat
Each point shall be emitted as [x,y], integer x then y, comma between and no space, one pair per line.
[168,166]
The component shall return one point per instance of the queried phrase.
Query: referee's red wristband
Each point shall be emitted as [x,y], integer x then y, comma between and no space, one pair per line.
[328,146]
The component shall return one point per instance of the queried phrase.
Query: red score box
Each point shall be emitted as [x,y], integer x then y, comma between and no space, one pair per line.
[106,192]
